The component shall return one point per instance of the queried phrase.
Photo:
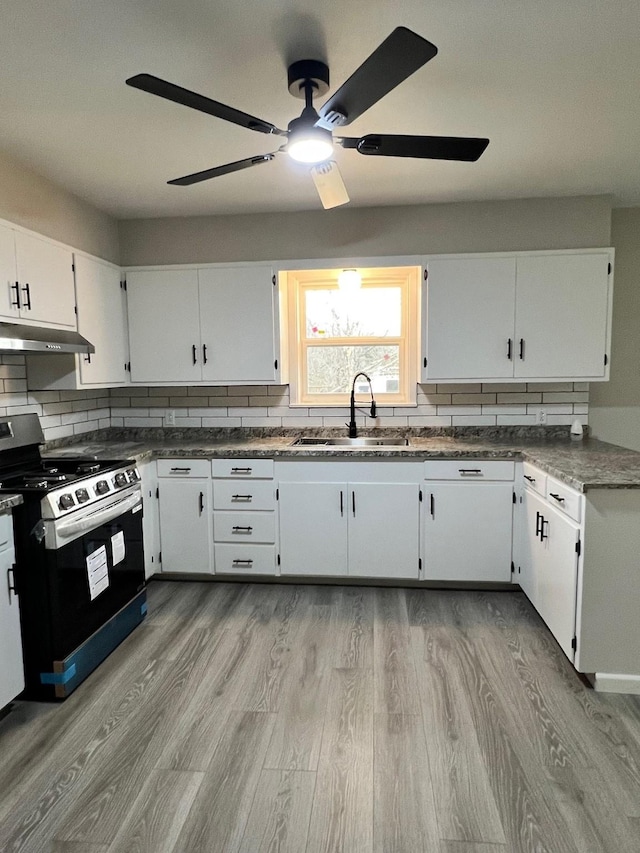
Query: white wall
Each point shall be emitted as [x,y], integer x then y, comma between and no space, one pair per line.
[615,405]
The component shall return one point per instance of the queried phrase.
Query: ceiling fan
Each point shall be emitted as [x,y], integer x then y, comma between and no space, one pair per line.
[309,138]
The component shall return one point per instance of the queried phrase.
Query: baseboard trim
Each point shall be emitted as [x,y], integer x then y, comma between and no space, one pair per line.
[614,682]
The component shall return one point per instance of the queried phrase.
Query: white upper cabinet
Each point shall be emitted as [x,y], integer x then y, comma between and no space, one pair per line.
[237,324]
[164,326]
[36,280]
[45,277]
[468,324]
[519,317]
[561,315]
[102,319]
[210,325]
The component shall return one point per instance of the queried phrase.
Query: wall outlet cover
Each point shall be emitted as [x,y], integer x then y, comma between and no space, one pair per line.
[170,417]
[541,416]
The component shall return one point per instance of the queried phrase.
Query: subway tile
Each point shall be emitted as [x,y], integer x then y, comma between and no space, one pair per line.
[221,422]
[415,411]
[329,411]
[511,399]
[82,405]
[129,413]
[58,432]
[550,386]
[14,400]
[516,420]
[276,390]
[143,422]
[261,422]
[206,390]
[103,423]
[24,410]
[459,410]
[248,412]
[333,422]
[580,409]
[120,402]
[117,422]
[228,401]
[261,401]
[133,391]
[155,402]
[386,421]
[12,359]
[88,426]
[44,397]
[445,388]
[504,410]
[187,422]
[580,386]
[435,421]
[13,371]
[498,387]
[157,392]
[208,412]
[76,395]
[427,388]
[56,408]
[15,384]
[472,399]
[555,409]
[184,402]
[472,420]
[560,420]
[245,390]
[302,422]
[285,412]
[573,397]
[434,399]
[73,418]
[47,421]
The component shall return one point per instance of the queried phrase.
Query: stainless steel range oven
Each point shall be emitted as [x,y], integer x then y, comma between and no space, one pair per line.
[79,559]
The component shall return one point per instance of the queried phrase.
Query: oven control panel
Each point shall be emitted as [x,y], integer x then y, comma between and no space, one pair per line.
[90,491]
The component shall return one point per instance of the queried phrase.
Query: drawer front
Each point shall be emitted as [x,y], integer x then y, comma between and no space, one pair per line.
[252,494]
[534,479]
[184,468]
[245,559]
[243,469]
[468,469]
[564,498]
[244,527]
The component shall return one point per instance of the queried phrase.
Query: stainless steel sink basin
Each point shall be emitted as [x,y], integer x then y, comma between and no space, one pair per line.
[365,441]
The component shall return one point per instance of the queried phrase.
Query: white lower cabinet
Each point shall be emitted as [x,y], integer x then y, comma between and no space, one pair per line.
[151,522]
[552,568]
[11,666]
[185,516]
[468,520]
[349,519]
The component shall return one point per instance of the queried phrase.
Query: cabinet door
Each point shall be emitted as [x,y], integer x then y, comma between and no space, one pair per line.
[164,330]
[102,321]
[384,524]
[467,531]
[186,526]
[237,323]
[468,313]
[561,315]
[151,520]
[8,274]
[11,668]
[313,529]
[531,550]
[45,273]
[558,577]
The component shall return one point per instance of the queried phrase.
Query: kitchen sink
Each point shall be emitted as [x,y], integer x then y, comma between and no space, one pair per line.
[365,441]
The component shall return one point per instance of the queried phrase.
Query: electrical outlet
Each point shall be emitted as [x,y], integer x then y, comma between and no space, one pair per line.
[541,416]
[170,417]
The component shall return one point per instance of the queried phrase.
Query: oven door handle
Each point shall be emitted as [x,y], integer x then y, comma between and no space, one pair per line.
[67,529]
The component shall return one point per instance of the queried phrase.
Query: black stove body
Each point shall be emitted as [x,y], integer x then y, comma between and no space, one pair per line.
[79,557]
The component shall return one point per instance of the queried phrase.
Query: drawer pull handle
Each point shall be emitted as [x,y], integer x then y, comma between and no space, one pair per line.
[243,562]
[241,470]
[201,503]
[509,352]
[341,502]
[11,581]
[544,535]
[470,470]
[538,520]
[16,287]
[186,470]
[241,497]
[238,529]
[557,497]
[432,506]
[530,479]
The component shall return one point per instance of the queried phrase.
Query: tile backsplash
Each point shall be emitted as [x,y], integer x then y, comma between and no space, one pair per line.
[62,413]
[66,413]
[268,406]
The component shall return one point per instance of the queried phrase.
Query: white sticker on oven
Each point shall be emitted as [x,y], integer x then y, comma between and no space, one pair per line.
[97,572]
[117,547]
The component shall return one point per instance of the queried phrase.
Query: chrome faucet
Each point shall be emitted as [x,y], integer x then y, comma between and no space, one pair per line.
[353,429]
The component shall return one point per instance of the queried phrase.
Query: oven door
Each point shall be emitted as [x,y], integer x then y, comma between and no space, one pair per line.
[95,566]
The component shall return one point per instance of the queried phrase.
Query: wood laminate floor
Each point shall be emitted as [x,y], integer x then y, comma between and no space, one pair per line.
[245,718]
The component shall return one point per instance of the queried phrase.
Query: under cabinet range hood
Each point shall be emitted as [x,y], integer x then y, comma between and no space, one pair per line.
[15,338]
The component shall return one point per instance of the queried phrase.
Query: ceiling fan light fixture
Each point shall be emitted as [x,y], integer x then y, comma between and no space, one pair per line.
[309,144]
[349,280]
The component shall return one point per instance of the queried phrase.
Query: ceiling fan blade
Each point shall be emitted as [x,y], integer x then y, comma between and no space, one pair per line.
[399,55]
[329,184]
[196,177]
[156,86]
[467,149]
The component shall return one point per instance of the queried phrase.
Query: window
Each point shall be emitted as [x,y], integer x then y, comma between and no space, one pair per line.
[334,333]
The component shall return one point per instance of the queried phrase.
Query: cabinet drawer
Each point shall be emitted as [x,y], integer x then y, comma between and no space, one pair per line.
[253,494]
[245,559]
[243,469]
[564,498]
[468,469]
[184,468]
[534,479]
[242,527]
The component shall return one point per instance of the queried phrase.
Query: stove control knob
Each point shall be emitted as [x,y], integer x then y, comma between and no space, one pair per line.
[66,501]
[102,487]
[120,480]
[134,476]
[82,495]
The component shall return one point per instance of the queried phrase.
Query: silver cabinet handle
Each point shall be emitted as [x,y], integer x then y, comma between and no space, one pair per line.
[353,503]
[201,503]
[556,497]
[241,470]
[465,471]
[432,505]
[238,529]
[242,498]
[11,581]
[182,470]
[242,562]
[530,479]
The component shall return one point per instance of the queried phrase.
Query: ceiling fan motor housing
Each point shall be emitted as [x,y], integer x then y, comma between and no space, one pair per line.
[308,70]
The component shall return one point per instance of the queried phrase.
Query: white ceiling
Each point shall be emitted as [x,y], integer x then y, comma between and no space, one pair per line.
[553,83]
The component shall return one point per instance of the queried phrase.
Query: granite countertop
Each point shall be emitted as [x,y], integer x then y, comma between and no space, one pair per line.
[7,502]
[588,464]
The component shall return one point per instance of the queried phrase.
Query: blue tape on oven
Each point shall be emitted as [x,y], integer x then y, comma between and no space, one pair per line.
[58,677]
